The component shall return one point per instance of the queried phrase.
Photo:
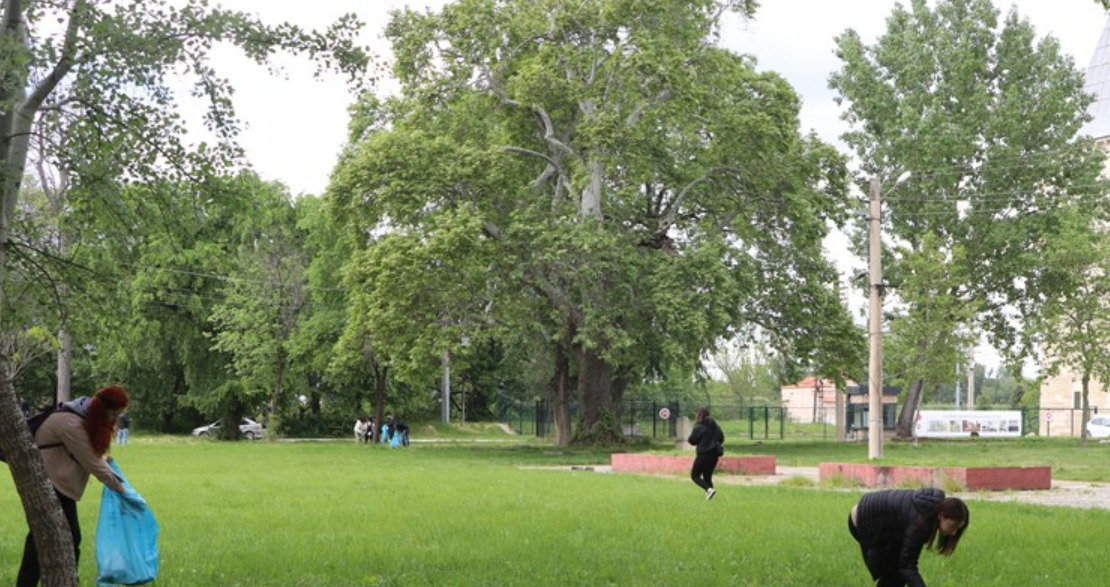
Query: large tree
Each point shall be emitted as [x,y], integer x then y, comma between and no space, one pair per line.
[631,192]
[985,117]
[261,307]
[1073,325]
[93,75]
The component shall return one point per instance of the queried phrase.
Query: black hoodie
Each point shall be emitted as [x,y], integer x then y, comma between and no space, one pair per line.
[706,435]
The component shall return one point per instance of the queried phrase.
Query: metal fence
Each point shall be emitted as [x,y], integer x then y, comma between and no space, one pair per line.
[1053,422]
[657,419]
[651,419]
[638,418]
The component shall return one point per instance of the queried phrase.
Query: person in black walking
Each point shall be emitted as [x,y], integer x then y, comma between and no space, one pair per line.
[708,438]
[893,526]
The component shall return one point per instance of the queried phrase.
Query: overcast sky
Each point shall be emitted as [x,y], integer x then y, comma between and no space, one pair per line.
[295,125]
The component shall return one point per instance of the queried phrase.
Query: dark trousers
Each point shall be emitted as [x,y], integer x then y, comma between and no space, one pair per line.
[884,575]
[29,571]
[702,471]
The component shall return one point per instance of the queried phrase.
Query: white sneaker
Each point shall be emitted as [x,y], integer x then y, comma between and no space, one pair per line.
[709,493]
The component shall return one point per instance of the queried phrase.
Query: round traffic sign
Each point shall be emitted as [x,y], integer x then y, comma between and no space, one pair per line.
[665,413]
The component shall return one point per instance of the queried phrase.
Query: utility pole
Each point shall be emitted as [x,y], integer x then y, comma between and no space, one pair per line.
[875,363]
[841,425]
[971,380]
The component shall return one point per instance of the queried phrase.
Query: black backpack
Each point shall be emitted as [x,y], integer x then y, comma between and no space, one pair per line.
[34,422]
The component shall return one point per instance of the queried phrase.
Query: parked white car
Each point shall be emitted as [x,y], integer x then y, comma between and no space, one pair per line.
[247,427]
[1099,427]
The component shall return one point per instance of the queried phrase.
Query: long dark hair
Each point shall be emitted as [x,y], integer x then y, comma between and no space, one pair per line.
[952,508]
[702,414]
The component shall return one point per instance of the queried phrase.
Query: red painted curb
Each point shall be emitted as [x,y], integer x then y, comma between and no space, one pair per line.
[972,478]
[646,463]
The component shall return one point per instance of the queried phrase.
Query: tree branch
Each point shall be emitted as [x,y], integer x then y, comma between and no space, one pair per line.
[671,213]
[634,117]
[69,48]
[554,294]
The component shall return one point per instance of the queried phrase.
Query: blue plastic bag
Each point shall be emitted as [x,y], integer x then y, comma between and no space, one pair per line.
[126,537]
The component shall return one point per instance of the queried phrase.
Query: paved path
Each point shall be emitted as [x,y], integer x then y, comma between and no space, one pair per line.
[1078,494]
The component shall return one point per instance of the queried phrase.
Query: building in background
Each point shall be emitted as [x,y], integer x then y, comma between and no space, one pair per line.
[1061,396]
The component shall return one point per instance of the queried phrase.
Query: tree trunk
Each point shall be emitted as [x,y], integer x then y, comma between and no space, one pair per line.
[65,371]
[904,427]
[381,378]
[171,406]
[57,198]
[1086,408]
[562,396]
[590,206]
[44,513]
[275,397]
[616,389]
[599,420]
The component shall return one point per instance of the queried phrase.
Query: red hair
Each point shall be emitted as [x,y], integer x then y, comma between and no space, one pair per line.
[97,423]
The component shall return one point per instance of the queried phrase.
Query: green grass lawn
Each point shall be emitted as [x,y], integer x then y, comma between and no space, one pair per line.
[289,514]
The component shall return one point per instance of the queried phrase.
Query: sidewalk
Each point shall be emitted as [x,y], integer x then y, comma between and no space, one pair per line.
[1078,494]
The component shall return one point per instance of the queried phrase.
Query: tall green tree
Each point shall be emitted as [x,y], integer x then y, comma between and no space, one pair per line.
[154,287]
[930,332]
[633,192]
[985,117]
[102,74]
[1073,327]
[261,306]
[313,345]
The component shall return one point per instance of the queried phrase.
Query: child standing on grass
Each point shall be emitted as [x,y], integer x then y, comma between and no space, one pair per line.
[708,438]
[893,525]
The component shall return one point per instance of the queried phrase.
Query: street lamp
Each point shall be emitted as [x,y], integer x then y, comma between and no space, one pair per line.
[875,363]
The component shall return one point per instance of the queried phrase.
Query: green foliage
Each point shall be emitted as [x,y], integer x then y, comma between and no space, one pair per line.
[90,85]
[261,309]
[601,177]
[750,376]
[119,241]
[984,116]
[1072,327]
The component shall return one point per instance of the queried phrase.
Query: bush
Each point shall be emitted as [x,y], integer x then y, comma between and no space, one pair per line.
[309,425]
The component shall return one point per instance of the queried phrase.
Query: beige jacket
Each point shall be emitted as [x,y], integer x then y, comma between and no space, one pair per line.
[69,465]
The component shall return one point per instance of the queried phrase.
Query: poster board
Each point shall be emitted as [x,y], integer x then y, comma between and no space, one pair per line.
[968,423]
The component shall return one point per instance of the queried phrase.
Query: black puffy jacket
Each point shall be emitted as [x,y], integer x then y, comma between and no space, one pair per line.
[894,525]
[706,435]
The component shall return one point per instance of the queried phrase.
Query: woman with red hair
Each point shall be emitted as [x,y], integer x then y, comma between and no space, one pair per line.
[74,441]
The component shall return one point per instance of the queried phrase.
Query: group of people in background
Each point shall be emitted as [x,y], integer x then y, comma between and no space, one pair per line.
[393,432]
[891,526]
